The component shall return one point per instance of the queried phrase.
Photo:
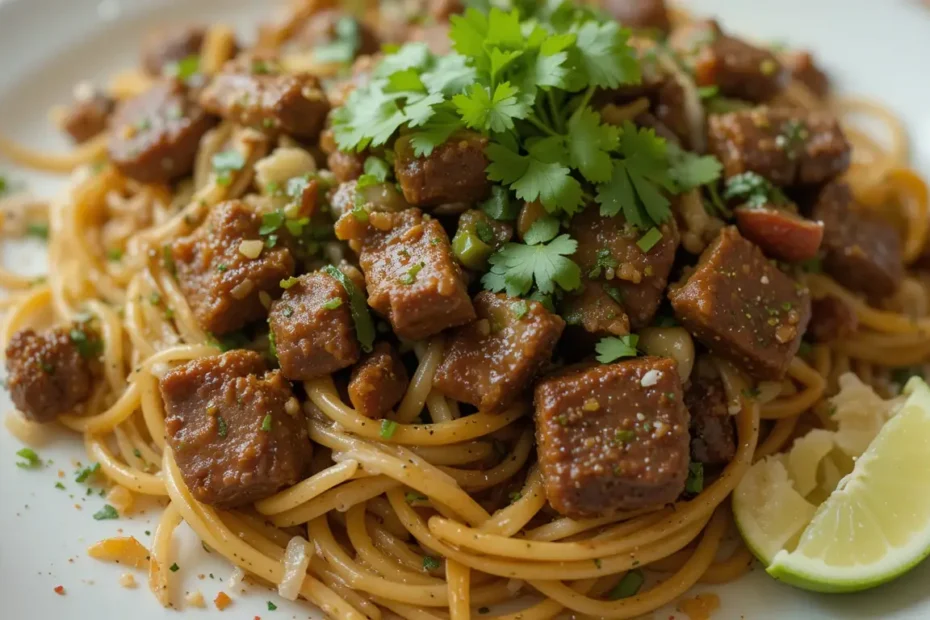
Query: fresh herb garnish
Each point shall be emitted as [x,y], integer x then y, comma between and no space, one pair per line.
[358,306]
[612,348]
[266,423]
[84,474]
[37,230]
[30,460]
[107,512]
[430,563]
[754,190]
[225,163]
[695,482]
[543,261]
[184,69]
[387,428]
[221,428]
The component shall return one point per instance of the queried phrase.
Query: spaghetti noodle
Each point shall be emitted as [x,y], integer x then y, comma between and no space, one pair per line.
[379,513]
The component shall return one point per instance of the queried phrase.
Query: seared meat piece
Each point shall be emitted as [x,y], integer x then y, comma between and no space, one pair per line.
[412,276]
[831,319]
[167,46]
[713,436]
[743,308]
[223,285]
[88,115]
[639,14]
[154,136]
[453,172]
[252,91]
[608,250]
[329,25]
[612,437]
[863,251]
[236,430]
[803,69]
[786,146]
[313,328]
[46,373]
[492,361]
[378,382]
[739,69]
[596,309]
[346,166]
[780,232]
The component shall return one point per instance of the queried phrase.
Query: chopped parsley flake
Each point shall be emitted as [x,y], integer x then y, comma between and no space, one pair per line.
[107,512]
[613,348]
[411,275]
[266,423]
[37,230]
[30,460]
[649,240]
[225,163]
[288,282]
[84,474]
[87,347]
[388,427]
[430,563]
[174,568]
[332,304]
[695,482]
[221,428]
[271,606]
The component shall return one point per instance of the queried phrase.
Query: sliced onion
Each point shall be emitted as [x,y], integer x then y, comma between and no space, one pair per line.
[296,560]
[235,579]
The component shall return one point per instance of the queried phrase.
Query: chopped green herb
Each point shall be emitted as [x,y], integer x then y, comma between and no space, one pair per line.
[516,496]
[30,460]
[333,303]
[271,606]
[614,293]
[222,267]
[414,497]
[107,512]
[388,427]
[519,309]
[612,348]
[266,423]
[625,436]
[59,485]
[174,568]
[516,268]
[754,189]
[221,428]
[358,306]
[87,346]
[114,254]
[649,240]
[708,92]
[137,453]
[183,69]
[86,473]
[225,163]
[288,282]
[411,275]
[628,586]
[695,482]
[37,230]
[430,563]
[500,206]
[271,222]
[605,261]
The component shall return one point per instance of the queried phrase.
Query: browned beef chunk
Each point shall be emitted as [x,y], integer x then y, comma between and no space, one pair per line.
[47,375]
[412,276]
[492,361]
[863,251]
[378,382]
[713,436]
[236,430]
[313,328]
[803,69]
[167,46]
[786,146]
[154,136]
[739,69]
[453,172]
[346,166]
[88,115]
[780,232]
[742,307]
[608,252]
[612,437]
[252,91]
[596,308]
[330,25]
[640,14]
[832,319]
[223,285]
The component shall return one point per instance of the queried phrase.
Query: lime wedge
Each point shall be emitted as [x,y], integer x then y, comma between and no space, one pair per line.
[874,527]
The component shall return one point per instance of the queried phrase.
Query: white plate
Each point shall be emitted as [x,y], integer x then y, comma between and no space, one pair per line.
[875,48]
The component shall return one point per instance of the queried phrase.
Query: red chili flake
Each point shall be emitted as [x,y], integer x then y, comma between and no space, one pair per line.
[60,590]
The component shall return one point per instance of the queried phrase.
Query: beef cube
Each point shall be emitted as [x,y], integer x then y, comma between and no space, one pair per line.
[612,437]
[252,91]
[492,361]
[379,382]
[236,430]
[742,307]
[789,147]
[713,436]
[639,14]
[88,115]
[780,232]
[832,319]
[608,251]
[47,375]
[863,251]
[165,47]
[803,69]
[155,135]
[313,328]
[453,172]
[222,284]
[412,276]
[597,309]
[739,69]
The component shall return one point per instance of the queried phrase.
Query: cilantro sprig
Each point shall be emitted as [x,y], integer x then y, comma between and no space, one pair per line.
[542,261]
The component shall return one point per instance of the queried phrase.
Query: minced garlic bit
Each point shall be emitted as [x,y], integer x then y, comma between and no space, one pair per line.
[121,498]
[195,599]
[222,601]
[127,580]
[651,378]
[251,248]
[123,549]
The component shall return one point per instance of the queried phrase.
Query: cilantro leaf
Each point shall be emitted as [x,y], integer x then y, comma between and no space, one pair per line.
[450,75]
[544,229]
[516,267]
[499,206]
[601,56]
[411,55]
[590,143]
[484,112]
[442,125]
[612,348]
[754,189]
[689,170]
[539,175]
